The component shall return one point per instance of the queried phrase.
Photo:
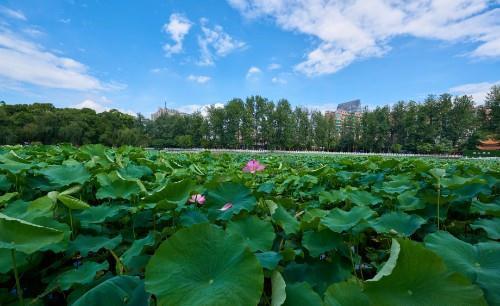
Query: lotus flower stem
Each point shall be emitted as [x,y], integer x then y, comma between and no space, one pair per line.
[438,197]
[16,276]
[70,221]
[154,220]
[352,262]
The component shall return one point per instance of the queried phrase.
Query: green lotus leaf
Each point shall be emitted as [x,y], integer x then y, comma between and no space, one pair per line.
[258,234]
[332,197]
[24,236]
[137,248]
[348,293]
[85,244]
[176,193]
[24,210]
[135,172]
[192,217]
[6,260]
[318,243]
[116,291]
[98,214]
[396,187]
[339,220]
[456,181]
[202,265]
[278,289]
[238,195]
[15,167]
[479,262]
[408,201]
[72,202]
[115,187]
[81,275]
[420,277]
[4,183]
[490,226]
[6,198]
[397,223]
[363,198]
[63,227]
[269,260]
[437,172]
[64,175]
[300,294]
[266,187]
[490,209]
[319,274]
[286,221]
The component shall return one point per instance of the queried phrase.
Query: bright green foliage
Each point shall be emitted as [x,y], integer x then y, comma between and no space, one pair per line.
[278,290]
[137,248]
[347,293]
[115,187]
[269,260]
[490,226]
[363,198]
[236,194]
[116,291]
[318,243]
[85,244]
[286,220]
[175,192]
[65,175]
[7,198]
[418,276]
[258,234]
[479,262]
[300,294]
[202,265]
[24,236]
[72,202]
[6,260]
[397,223]
[91,224]
[339,220]
[82,275]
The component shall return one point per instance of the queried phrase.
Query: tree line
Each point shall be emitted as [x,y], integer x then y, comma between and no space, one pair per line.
[439,124]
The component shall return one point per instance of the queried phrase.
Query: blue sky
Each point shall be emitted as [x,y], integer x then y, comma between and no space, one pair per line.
[136,55]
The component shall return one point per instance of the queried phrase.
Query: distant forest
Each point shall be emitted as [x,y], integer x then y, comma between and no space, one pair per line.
[439,124]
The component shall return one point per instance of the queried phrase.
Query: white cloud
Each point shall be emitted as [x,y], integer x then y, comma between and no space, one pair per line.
[202,108]
[273,66]
[201,79]
[27,62]
[215,40]
[253,72]
[348,31]
[277,80]
[177,27]
[33,31]
[477,90]
[92,105]
[12,13]
[99,108]
[65,20]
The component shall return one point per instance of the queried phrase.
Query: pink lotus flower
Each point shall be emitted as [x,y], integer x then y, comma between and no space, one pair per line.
[226,207]
[253,166]
[197,198]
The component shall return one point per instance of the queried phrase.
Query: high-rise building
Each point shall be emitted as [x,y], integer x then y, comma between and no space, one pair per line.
[344,110]
[164,111]
[353,106]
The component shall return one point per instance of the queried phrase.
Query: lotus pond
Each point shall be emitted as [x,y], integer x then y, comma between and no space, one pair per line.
[101,226]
